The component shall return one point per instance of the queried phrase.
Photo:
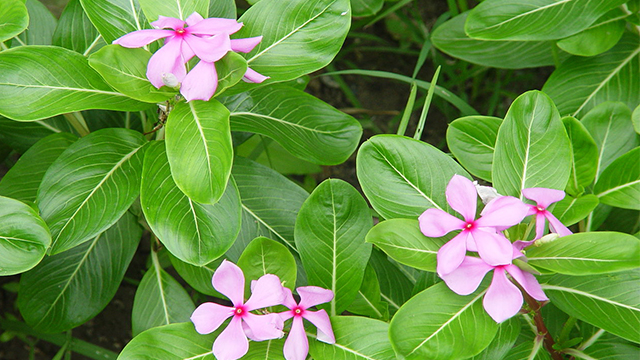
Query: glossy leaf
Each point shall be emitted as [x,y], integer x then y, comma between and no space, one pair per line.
[222,8]
[395,286]
[403,177]
[570,210]
[430,325]
[635,119]
[90,185]
[532,147]
[472,140]
[587,253]
[579,84]
[610,302]
[619,183]
[368,301]
[195,233]
[35,83]
[329,233]
[199,149]
[42,24]
[114,18]
[612,350]
[585,155]
[175,342]
[23,135]
[231,69]
[68,289]
[75,31]
[265,256]
[198,277]
[506,336]
[361,8]
[24,237]
[304,125]
[14,18]
[597,38]
[180,9]
[265,350]
[528,351]
[21,182]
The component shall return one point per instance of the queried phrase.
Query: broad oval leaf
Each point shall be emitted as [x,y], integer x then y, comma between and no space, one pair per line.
[329,232]
[570,210]
[24,237]
[114,18]
[90,186]
[431,324]
[222,8]
[534,19]
[585,155]
[532,147]
[395,286]
[265,256]
[368,300]
[304,125]
[403,177]
[597,38]
[472,139]
[360,8]
[199,149]
[619,183]
[35,83]
[75,31]
[610,302]
[174,342]
[22,135]
[193,232]
[180,9]
[587,253]
[198,277]
[42,25]
[68,289]
[265,350]
[14,18]
[503,342]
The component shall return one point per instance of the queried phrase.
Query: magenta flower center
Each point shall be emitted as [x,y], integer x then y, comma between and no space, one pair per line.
[298,311]
[469,226]
[239,311]
[540,209]
[181,31]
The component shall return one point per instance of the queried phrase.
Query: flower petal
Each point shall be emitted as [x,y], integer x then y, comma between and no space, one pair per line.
[540,222]
[209,316]
[232,343]
[313,295]
[451,254]
[556,226]
[462,197]
[194,18]
[267,292]
[528,282]
[167,60]
[467,277]
[201,82]
[288,301]
[264,327]
[321,320]
[213,26]
[245,45]
[141,38]
[209,49]
[542,196]
[296,347]
[493,248]
[252,76]
[228,280]
[503,211]
[503,299]
[168,22]
[436,223]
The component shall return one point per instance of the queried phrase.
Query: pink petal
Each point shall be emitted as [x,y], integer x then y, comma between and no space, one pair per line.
[209,316]
[194,18]
[556,226]
[313,295]
[141,38]
[540,221]
[542,196]
[167,60]
[251,76]
[528,282]
[245,45]
[267,292]
[521,244]
[201,82]
[503,300]
[168,22]
[288,301]
[213,26]
[467,277]
[462,197]
[232,343]
[296,347]
[228,280]
[210,49]
[436,223]
[451,254]
[264,327]
[321,320]
[504,211]
[493,248]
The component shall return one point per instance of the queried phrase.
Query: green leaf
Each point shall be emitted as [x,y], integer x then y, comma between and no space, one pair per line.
[199,149]
[395,286]
[265,256]
[222,8]
[357,338]
[24,237]
[635,119]
[23,135]
[329,233]
[587,253]
[532,147]
[159,300]
[171,342]
[180,9]
[75,31]
[528,351]
[193,232]
[403,177]
[68,289]
[198,277]
[367,301]
[597,38]
[265,350]
[42,24]
[361,8]
[304,125]
[431,324]
[612,351]
[579,84]
[610,302]
[570,210]
[585,155]
[472,141]
[231,68]
[114,18]
[90,186]
[35,83]
[619,183]
[21,182]
[515,20]
[273,155]
[14,18]
[506,336]
[451,39]
[402,240]
[299,36]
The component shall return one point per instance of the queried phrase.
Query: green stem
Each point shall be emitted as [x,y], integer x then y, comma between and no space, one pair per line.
[566,329]
[76,120]
[406,115]
[591,340]
[427,103]
[556,56]
[3,46]
[541,328]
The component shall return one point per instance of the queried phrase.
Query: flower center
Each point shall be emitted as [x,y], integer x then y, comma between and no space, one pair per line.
[239,311]
[469,226]
[540,208]
[298,311]
[180,31]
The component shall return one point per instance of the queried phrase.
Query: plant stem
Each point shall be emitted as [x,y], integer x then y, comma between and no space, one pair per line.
[76,120]
[542,329]
[406,115]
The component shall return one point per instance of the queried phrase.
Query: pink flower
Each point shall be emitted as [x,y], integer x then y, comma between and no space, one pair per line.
[503,299]
[232,343]
[545,197]
[296,347]
[477,235]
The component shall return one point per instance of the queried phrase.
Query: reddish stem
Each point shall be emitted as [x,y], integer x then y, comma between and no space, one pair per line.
[542,329]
